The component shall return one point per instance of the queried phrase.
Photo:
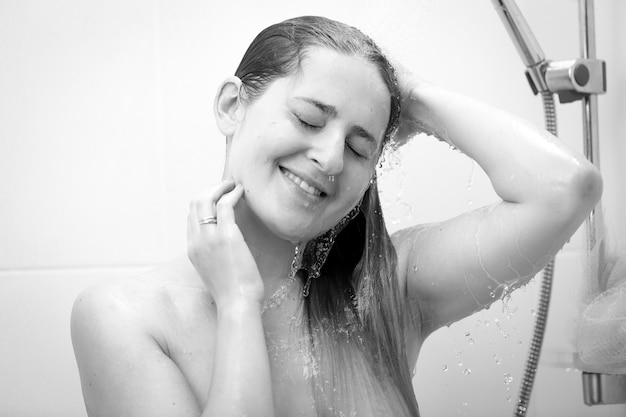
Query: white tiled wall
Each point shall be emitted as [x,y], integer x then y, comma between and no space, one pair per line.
[106,132]
[38,371]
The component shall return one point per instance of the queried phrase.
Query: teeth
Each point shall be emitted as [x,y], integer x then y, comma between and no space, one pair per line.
[303,184]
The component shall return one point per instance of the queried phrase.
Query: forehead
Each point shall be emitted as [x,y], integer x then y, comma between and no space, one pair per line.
[349,83]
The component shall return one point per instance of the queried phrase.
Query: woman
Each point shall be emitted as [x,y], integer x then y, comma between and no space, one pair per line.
[293,299]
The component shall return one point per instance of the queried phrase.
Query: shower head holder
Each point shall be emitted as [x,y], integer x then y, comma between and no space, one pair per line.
[571,80]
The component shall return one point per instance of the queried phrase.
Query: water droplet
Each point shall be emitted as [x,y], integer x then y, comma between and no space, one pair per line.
[470,341]
[507,379]
[470,182]
[467,371]
[444,368]
[498,359]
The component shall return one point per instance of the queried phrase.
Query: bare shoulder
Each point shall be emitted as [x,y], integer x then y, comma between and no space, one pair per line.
[127,334]
[146,301]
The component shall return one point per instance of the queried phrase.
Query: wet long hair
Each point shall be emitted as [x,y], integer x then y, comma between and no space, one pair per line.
[356,300]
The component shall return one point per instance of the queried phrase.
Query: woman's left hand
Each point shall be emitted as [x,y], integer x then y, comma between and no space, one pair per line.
[411,121]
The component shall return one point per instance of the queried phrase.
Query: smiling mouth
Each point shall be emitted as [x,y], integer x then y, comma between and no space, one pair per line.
[304,186]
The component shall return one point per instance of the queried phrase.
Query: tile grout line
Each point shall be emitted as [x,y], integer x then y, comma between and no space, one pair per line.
[73,269]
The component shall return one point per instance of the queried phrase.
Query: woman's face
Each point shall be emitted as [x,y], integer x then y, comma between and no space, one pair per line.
[306,149]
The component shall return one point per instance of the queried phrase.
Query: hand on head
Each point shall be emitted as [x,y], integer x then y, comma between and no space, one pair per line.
[410,85]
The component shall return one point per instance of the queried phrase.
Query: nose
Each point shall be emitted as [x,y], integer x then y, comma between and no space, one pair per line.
[327,153]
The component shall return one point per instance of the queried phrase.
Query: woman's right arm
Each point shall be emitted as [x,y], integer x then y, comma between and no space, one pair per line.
[241,382]
[124,367]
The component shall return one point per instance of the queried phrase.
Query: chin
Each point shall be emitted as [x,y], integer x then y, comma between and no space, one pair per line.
[294,235]
[290,224]
[296,232]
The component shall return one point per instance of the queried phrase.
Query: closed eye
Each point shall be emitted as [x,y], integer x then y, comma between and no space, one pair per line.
[361,146]
[356,152]
[307,124]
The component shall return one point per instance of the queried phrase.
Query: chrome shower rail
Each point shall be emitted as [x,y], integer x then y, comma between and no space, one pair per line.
[579,79]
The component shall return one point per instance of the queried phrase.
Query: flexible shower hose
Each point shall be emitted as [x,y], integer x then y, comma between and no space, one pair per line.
[532,361]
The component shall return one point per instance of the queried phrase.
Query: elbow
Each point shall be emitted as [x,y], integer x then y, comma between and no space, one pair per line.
[588,186]
[582,191]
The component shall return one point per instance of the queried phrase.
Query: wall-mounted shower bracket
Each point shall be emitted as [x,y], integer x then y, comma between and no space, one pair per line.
[604,388]
[579,79]
[536,76]
[571,80]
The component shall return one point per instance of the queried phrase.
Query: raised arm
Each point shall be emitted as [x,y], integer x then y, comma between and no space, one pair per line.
[456,267]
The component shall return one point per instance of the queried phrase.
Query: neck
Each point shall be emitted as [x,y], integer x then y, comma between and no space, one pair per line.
[273,255]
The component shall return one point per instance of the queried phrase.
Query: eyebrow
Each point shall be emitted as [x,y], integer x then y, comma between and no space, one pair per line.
[330,110]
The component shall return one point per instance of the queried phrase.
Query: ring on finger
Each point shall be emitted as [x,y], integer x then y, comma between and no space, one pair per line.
[208,220]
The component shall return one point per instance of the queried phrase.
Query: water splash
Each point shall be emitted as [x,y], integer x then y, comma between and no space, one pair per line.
[277,298]
[470,182]
[508,379]
[503,332]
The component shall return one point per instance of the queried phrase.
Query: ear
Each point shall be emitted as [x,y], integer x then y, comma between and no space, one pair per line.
[227,107]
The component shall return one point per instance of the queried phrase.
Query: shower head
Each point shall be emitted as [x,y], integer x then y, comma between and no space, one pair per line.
[525,43]
[570,79]
[520,32]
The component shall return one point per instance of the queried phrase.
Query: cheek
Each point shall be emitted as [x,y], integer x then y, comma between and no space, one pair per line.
[253,155]
[243,162]
[271,138]
[356,185]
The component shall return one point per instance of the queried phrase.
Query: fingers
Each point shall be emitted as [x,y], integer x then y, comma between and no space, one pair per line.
[226,206]
[218,202]
[204,206]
